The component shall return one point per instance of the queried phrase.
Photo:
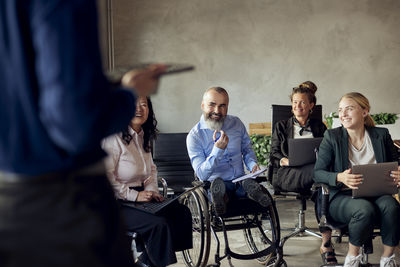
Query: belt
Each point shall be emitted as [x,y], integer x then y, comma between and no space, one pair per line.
[97,168]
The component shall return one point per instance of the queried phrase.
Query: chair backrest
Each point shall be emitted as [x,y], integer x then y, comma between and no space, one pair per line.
[172,160]
[284,112]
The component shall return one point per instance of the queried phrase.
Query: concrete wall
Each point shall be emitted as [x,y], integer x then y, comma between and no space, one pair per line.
[259,49]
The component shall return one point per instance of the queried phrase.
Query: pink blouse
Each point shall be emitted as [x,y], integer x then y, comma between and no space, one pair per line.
[129,165]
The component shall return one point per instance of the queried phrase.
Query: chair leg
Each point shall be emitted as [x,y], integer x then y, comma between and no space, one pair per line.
[300,229]
[133,235]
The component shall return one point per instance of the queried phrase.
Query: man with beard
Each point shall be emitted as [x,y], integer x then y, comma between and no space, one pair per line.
[218,145]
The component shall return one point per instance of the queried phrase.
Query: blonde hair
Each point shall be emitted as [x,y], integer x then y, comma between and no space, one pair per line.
[363,102]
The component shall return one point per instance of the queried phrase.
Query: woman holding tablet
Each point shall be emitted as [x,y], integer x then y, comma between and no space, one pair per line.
[358,142]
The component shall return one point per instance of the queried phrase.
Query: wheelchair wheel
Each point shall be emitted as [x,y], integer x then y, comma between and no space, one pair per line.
[272,262]
[198,255]
[265,234]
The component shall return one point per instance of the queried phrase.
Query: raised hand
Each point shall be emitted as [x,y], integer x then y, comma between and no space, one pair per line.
[143,82]
[221,141]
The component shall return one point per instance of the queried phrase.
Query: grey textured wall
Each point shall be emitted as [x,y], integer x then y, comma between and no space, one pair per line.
[259,49]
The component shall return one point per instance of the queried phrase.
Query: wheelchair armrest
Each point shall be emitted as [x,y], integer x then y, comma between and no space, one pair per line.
[324,188]
[164,186]
[204,184]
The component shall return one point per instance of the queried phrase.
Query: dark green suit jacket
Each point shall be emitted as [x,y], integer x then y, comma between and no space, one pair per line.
[333,155]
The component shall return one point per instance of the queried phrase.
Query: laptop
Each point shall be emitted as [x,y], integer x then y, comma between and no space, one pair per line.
[154,207]
[377,180]
[302,150]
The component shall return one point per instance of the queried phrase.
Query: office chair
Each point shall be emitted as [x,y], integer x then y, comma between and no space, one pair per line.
[172,160]
[284,112]
[325,221]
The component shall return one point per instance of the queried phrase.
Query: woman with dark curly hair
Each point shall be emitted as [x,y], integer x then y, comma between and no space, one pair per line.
[133,174]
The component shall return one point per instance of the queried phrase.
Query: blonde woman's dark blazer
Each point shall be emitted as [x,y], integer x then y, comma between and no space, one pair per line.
[333,155]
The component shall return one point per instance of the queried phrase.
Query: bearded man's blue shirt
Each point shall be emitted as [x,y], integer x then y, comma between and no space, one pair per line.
[209,161]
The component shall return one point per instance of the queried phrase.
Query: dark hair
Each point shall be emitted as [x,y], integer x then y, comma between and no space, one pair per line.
[149,129]
[308,88]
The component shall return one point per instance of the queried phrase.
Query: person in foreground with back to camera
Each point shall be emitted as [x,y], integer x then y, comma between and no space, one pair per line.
[133,175]
[56,204]
[359,142]
[299,179]
[217,146]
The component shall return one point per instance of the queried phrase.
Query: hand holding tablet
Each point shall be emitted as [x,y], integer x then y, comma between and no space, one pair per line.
[116,75]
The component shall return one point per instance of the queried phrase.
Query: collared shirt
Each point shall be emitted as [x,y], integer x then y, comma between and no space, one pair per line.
[209,161]
[56,104]
[129,165]
[300,131]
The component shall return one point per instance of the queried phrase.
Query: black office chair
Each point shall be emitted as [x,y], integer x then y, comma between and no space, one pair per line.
[284,112]
[172,160]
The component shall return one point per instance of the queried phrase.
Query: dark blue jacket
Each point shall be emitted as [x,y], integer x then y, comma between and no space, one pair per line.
[55,103]
[333,155]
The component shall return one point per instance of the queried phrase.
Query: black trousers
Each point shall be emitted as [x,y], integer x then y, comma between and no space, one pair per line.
[294,179]
[164,233]
[63,220]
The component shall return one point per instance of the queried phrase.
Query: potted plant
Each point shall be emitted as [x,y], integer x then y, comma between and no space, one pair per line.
[330,118]
[262,146]
[384,118]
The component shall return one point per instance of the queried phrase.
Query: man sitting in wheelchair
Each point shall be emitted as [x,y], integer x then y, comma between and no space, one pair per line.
[218,145]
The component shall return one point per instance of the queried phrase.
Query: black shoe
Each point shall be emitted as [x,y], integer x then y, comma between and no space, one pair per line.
[218,190]
[255,192]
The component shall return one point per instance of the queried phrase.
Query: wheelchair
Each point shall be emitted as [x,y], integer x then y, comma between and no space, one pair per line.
[260,226]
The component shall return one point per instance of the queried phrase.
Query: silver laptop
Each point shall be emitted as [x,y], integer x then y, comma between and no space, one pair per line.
[302,150]
[377,180]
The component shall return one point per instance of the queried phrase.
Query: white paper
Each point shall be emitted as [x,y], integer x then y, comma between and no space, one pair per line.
[250,175]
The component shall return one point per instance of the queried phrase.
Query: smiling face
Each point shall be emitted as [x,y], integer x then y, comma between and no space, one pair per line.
[142,112]
[351,114]
[215,108]
[301,106]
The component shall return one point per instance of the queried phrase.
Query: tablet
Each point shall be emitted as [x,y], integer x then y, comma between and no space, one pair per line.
[115,75]
[377,180]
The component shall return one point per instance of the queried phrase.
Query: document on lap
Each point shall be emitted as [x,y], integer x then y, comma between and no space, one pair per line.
[250,175]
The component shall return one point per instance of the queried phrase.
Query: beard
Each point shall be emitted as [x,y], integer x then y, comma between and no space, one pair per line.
[214,124]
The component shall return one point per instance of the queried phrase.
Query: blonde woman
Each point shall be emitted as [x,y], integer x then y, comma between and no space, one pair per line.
[358,141]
